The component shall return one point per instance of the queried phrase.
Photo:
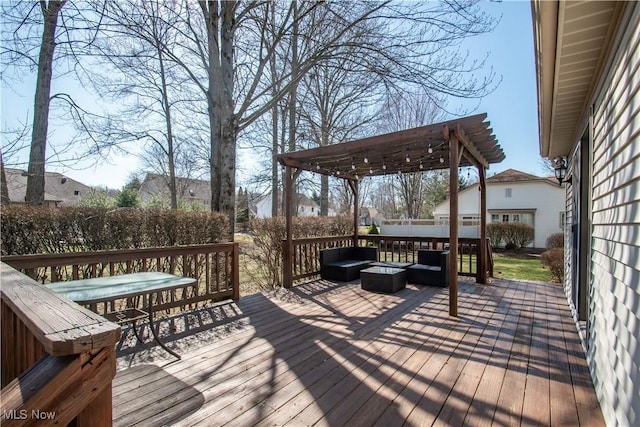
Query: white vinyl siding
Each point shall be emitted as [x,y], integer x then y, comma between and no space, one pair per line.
[614,333]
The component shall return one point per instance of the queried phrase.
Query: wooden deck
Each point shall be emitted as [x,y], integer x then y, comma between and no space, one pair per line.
[332,354]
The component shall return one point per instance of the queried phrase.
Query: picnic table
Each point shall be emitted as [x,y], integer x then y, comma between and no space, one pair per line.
[102,289]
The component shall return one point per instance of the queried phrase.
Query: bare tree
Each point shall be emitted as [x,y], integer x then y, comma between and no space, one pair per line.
[49,13]
[50,38]
[136,74]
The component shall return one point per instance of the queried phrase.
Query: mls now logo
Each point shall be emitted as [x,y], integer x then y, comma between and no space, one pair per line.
[23,414]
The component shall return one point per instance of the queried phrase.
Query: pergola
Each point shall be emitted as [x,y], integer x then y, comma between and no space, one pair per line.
[462,142]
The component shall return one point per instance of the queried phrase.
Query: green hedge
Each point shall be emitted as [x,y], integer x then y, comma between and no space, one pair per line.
[34,230]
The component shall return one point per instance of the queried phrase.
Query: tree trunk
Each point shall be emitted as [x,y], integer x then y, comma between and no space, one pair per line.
[228,121]
[42,99]
[274,131]
[167,115]
[4,190]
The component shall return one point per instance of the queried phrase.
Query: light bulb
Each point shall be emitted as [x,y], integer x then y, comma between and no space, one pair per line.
[407,159]
[366,160]
[384,166]
[441,160]
[353,166]
[421,164]
[371,171]
[430,150]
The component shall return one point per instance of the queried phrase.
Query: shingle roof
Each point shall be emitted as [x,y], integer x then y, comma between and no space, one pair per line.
[57,187]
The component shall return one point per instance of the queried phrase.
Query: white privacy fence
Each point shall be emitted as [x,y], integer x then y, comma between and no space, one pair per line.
[429,228]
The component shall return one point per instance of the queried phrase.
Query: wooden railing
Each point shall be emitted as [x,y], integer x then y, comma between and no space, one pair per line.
[58,359]
[306,252]
[215,266]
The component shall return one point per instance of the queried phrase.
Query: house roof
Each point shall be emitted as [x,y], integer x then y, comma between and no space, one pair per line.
[57,187]
[187,188]
[513,175]
[572,42]
[413,150]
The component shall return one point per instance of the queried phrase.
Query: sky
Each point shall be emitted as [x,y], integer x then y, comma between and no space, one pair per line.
[511,108]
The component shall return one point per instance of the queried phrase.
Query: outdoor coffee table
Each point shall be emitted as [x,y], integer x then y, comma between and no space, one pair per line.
[383,279]
[102,289]
[393,264]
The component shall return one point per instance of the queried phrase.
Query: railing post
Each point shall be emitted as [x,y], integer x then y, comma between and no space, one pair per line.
[236,271]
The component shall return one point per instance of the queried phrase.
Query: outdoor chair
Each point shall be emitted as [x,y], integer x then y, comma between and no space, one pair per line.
[344,264]
[432,269]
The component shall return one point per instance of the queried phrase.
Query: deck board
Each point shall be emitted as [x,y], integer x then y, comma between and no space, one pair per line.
[332,354]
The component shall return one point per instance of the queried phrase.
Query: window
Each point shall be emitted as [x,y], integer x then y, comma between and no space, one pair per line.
[495,218]
[516,218]
[76,193]
[507,192]
[505,218]
[562,217]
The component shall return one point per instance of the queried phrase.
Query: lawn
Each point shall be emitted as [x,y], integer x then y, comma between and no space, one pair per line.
[522,268]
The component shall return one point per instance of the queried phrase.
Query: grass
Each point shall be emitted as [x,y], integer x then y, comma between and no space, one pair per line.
[520,268]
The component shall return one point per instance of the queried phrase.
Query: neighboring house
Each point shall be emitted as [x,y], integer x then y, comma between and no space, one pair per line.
[59,190]
[305,206]
[370,216]
[588,75]
[513,196]
[189,191]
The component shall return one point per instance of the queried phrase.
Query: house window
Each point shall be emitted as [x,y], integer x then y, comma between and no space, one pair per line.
[76,193]
[507,192]
[505,218]
[495,218]
[516,218]
[562,217]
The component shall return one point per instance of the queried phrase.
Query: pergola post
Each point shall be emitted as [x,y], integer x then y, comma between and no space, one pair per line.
[287,255]
[453,222]
[355,185]
[482,250]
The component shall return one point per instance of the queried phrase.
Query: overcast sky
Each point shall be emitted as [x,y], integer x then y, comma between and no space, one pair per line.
[511,109]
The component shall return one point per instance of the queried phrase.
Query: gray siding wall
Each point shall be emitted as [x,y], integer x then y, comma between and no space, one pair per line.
[614,331]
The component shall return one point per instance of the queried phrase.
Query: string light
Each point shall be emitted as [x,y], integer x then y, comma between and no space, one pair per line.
[353,166]
[371,171]
[421,166]
[407,159]
[430,150]
[366,160]
[384,165]
[318,166]
[441,159]
[338,173]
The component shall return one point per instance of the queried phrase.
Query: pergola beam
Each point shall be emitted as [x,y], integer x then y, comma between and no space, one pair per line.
[462,137]
[453,222]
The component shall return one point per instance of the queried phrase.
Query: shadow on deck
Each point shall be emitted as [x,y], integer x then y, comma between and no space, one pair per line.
[332,354]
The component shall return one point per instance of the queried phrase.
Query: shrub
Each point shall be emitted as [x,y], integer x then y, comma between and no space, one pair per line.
[128,198]
[34,230]
[373,229]
[553,259]
[495,232]
[268,234]
[515,235]
[518,235]
[556,240]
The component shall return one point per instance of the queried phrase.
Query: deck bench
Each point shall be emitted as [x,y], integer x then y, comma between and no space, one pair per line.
[344,264]
[432,269]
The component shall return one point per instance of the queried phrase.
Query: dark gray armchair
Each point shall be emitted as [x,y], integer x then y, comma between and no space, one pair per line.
[432,269]
[344,264]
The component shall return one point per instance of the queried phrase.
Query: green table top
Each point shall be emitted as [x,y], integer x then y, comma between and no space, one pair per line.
[99,289]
